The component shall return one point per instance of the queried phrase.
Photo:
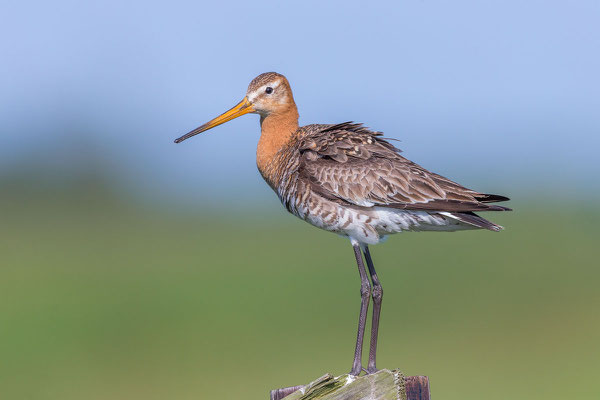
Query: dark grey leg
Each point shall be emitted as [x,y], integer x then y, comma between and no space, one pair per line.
[377,297]
[365,294]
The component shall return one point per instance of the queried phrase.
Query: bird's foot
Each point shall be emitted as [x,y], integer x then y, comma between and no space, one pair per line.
[370,370]
[356,370]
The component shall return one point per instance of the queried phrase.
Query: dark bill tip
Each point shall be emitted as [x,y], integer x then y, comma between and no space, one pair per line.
[191,133]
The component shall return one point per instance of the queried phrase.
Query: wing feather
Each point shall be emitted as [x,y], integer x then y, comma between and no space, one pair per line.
[351,164]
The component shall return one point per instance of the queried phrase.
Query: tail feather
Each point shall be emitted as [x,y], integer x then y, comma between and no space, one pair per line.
[473,219]
[491,198]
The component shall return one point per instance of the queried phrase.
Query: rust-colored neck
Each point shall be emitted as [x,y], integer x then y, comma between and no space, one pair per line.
[277,129]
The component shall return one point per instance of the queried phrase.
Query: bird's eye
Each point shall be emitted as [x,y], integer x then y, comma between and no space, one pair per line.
[269,90]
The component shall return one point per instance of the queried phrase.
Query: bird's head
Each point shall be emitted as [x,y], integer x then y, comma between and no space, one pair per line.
[267,94]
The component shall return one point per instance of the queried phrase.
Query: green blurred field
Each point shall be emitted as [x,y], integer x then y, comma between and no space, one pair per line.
[105,301]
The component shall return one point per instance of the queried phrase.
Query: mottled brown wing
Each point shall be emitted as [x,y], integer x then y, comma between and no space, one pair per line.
[349,163]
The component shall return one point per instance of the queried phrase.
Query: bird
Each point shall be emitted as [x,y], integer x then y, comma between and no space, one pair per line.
[349,180]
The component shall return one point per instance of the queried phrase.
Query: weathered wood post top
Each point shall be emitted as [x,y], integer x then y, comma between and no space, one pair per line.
[382,385]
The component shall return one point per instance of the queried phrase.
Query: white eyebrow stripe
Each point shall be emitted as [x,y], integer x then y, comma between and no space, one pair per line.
[261,89]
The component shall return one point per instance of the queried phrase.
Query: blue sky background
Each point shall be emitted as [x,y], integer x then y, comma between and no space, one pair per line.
[500,96]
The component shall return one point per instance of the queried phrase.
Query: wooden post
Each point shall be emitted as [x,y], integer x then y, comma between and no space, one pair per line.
[417,388]
[382,385]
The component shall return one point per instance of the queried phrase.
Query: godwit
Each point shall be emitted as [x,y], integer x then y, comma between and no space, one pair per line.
[347,179]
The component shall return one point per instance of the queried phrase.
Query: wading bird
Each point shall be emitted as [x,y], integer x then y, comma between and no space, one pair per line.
[347,179]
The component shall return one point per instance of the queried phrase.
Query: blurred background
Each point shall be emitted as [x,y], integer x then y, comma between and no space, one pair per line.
[134,268]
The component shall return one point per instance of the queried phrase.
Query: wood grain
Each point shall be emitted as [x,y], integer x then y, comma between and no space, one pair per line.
[382,385]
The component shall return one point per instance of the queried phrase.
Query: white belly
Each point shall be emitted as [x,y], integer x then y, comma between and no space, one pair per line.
[372,225]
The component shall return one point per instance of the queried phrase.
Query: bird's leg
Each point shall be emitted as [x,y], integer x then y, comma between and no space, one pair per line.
[377,293]
[365,294]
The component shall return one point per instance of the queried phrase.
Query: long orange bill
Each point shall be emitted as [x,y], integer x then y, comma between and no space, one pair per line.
[243,107]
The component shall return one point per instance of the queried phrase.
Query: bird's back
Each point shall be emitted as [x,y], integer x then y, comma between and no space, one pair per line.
[348,179]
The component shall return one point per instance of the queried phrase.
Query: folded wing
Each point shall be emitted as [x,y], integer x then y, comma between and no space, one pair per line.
[348,163]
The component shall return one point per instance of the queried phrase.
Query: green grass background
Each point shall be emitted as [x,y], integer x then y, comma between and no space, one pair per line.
[108,300]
